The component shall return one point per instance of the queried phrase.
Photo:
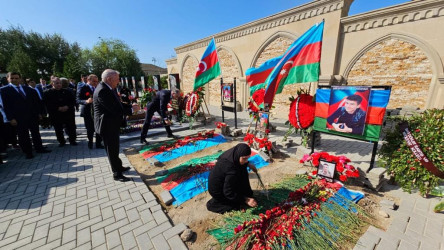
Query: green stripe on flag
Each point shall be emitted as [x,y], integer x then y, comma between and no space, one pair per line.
[301,74]
[371,132]
[256,88]
[207,76]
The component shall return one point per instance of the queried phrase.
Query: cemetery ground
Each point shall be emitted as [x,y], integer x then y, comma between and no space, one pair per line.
[67,199]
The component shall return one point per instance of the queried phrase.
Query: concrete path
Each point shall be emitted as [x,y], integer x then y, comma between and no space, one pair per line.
[67,199]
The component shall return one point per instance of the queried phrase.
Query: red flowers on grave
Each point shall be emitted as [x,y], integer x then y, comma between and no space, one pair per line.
[278,225]
[261,142]
[220,124]
[343,169]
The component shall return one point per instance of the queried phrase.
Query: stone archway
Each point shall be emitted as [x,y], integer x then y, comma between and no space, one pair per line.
[230,67]
[397,62]
[188,71]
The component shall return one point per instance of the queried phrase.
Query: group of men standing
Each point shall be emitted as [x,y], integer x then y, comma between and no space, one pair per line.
[23,106]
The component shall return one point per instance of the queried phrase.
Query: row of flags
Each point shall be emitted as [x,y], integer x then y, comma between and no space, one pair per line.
[299,64]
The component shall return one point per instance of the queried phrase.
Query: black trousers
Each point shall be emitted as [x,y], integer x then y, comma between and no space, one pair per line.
[67,121]
[90,131]
[23,129]
[111,142]
[147,123]
[10,134]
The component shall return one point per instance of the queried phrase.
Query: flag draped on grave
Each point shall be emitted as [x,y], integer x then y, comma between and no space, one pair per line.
[299,64]
[208,68]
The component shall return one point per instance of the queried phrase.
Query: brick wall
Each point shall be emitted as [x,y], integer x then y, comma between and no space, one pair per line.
[399,64]
[229,70]
[189,71]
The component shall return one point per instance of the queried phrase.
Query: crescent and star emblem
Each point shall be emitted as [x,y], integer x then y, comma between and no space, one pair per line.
[204,66]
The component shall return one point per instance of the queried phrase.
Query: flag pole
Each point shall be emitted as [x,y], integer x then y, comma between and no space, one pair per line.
[320,57]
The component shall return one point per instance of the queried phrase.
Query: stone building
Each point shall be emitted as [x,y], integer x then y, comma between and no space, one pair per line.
[401,46]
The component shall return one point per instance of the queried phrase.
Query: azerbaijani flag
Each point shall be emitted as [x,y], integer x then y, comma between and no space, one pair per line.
[256,76]
[299,64]
[209,67]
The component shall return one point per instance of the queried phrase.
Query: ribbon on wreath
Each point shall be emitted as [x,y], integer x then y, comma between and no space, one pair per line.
[417,152]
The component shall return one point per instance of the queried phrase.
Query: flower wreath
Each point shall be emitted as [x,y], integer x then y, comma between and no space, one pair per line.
[192,104]
[302,111]
[257,100]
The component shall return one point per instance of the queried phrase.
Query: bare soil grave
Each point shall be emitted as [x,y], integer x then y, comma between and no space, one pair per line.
[194,213]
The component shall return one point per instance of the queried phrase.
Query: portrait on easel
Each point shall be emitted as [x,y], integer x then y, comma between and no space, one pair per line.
[326,170]
[264,120]
[227,92]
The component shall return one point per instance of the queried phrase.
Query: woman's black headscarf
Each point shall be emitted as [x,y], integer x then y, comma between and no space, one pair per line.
[232,155]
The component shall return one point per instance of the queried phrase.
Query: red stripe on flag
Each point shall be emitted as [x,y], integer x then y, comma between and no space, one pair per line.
[375,115]
[308,54]
[258,78]
[210,61]
[321,110]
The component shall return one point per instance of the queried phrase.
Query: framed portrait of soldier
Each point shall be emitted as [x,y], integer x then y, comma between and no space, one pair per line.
[347,109]
[174,81]
[264,120]
[326,170]
[227,92]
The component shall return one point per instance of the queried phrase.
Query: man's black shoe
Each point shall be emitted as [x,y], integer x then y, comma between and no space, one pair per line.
[126,169]
[173,136]
[121,178]
[73,143]
[99,146]
[143,141]
[29,156]
[90,145]
[43,151]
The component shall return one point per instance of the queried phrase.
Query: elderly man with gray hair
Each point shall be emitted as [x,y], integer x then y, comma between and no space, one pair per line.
[60,104]
[159,105]
[108,116]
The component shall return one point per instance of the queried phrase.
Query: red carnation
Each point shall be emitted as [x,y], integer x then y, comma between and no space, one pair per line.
[343,178]
[302,111]
[87,94]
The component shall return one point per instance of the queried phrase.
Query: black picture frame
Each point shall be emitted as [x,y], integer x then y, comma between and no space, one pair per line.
[227,92]
[327,170]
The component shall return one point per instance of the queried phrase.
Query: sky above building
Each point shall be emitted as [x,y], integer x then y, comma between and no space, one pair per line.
[152,28]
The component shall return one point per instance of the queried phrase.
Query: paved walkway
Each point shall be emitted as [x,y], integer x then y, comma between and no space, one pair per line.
[67,199]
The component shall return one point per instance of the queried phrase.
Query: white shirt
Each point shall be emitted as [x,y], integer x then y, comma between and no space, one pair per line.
[5,120]
[20,86]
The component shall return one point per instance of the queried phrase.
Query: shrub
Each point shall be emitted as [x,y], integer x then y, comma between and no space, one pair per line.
[427,128]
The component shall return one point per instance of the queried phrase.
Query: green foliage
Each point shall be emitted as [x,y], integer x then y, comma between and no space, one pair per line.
[51,54]
[113,54]
[427,128]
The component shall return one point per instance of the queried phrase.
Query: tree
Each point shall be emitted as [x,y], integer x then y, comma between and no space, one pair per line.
[23,63]
[113,54]
[75,63]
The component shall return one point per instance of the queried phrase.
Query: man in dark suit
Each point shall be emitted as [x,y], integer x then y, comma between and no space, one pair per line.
[22,109]
[108,116]
[60,103]
[159,105]
[85,100]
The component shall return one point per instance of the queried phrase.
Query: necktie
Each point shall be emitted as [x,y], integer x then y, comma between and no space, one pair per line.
[93,89]
[21,92]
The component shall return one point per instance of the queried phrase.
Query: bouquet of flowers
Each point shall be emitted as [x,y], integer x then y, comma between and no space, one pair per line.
[343,169]
[147,96]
